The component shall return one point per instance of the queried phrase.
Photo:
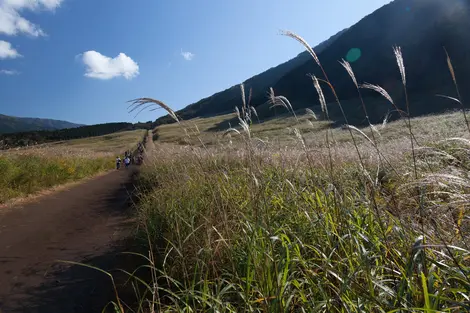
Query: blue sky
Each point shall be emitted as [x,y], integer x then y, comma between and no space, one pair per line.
[81,60]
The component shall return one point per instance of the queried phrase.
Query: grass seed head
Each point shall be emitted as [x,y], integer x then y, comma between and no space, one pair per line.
[144,103]
[350,71]
[379,90]
[401,65]
[304,43]
[321,96]
[451,67]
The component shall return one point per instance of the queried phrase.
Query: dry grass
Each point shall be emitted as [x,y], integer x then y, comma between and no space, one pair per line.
[291,215]
[244,224]
[279,130]
[174,134]
[28,171]
[262,227]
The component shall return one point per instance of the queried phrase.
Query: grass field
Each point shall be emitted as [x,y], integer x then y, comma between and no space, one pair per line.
[26,171]
[293,215]
[272,220]
[202,131]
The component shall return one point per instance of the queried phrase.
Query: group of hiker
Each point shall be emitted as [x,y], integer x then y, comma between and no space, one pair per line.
[140,148]
[127,162]
[129,159]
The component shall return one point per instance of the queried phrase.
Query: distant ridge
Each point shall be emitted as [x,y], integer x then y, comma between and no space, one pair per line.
[12,124]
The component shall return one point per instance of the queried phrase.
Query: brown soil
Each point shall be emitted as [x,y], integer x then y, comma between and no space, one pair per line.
[87,223]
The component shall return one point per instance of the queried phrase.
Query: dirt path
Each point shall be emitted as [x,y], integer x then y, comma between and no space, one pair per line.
[86,223]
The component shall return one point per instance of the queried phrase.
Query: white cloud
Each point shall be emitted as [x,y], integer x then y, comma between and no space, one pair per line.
[7,51]
[188,56]
[11,21]
[103,67]
[9,72]
[33,4]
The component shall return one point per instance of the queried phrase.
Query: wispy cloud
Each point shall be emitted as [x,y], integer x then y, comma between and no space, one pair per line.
[9,72]
[13,23]
[188,56]
[7,51]
[102,67]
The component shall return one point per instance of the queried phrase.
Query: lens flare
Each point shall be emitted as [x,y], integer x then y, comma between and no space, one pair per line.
[353,55]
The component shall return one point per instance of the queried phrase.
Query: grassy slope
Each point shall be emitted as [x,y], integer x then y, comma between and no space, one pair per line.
[114,143]
[26,171]
[280,129]
[289,224]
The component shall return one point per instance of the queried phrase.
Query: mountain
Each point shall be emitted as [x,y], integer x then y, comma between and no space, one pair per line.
[225,101]
[11,124]
[422,28]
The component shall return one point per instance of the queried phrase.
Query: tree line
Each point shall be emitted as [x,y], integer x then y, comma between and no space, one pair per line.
[30,138]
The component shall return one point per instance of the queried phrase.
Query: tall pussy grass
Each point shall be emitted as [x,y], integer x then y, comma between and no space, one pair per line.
[254,228]
[285,240]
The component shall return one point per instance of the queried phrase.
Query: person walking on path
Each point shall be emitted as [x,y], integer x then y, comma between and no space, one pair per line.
[118,162]
[127,161]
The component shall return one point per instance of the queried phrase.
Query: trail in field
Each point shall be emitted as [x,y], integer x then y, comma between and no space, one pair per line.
[87,223]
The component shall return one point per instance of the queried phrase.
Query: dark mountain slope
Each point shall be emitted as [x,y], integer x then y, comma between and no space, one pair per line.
[11,124]
[422,28]
[225,101]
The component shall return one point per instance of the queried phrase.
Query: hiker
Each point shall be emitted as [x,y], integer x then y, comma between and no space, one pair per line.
[127,161]
[118,162]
